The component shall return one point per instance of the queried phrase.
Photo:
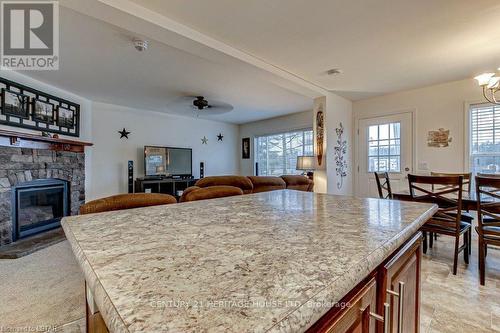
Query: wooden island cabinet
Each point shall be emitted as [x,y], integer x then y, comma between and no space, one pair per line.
[361,257]
[375,304]
[369,305]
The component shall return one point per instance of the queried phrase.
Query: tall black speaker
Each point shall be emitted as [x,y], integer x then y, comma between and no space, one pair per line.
[130,176]
[202,169]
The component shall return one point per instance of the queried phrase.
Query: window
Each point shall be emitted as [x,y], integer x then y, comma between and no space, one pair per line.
[484,138]
[277,153]
[384,148]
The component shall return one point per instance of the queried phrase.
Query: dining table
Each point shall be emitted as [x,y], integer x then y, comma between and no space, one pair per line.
[469,201]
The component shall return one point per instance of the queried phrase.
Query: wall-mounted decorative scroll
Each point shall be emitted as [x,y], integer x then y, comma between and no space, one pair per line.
[439,138]
[25,107]
[340,150]
[320,130]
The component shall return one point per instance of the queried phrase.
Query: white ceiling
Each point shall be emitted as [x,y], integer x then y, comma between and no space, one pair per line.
[99,62]
[381,45]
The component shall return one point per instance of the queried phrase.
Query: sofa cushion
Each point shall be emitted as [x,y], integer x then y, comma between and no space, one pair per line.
[126,201]
[196,193]
[297,182]
[187,191]
[237,181]
[266,183]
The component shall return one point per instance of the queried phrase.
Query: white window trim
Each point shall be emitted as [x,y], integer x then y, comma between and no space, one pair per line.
[467,132]
[378,149]
[358,117]
[279,132]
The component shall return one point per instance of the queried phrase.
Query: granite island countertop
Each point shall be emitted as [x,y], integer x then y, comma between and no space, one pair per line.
[267,262]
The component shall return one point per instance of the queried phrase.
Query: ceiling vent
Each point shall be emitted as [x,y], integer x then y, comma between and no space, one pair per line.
[334,71]
[141,44]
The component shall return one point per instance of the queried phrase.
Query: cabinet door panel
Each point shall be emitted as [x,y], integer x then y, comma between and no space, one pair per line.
[403,267]
[355,318]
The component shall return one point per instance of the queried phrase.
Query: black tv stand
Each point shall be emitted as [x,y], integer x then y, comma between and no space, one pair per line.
[158,184]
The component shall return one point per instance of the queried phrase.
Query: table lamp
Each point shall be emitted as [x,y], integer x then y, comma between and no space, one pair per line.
[306,164]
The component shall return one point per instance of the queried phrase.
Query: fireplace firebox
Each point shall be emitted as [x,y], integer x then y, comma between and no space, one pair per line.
[38,206]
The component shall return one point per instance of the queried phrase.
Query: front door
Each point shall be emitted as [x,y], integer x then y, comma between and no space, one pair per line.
[385,145]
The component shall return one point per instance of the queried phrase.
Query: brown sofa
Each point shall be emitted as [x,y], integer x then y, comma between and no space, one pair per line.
[251,184]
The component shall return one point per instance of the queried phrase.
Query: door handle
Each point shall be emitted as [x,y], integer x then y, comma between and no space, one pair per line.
[401,296]
[407,169]
[386,319]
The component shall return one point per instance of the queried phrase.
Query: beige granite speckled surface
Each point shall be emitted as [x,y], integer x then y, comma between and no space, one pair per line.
[272,261]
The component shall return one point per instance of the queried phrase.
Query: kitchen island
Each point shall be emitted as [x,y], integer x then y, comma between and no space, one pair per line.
[281,261]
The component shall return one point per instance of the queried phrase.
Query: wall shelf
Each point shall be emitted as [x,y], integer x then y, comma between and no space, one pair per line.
[33,141]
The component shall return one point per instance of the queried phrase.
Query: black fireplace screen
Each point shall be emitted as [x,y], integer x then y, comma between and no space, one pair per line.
[38,206]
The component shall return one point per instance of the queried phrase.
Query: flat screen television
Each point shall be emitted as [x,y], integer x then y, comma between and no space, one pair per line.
[167,161]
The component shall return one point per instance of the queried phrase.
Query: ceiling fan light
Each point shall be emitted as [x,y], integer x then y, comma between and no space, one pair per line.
[484,79]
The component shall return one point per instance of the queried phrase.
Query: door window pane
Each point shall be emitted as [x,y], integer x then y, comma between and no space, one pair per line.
[277,154]
[384,148]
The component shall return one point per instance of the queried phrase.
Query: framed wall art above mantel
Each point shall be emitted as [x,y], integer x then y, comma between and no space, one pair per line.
[25,107]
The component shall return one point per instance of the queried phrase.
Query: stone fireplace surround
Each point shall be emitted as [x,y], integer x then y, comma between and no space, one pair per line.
[18,165]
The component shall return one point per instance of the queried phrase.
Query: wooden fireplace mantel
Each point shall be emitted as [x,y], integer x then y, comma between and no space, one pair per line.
[33,141]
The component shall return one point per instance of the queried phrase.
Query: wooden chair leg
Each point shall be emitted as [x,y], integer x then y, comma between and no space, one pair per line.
[431,240]
[455,257]
[425,242]
[482,265]
[435,236]
[485,250]
[470,241]
[467,246]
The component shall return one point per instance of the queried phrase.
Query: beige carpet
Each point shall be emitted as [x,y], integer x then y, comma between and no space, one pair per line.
[44,290]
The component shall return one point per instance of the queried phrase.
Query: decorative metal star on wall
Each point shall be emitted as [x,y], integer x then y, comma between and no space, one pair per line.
[204,141]
[220,137]
[124,133]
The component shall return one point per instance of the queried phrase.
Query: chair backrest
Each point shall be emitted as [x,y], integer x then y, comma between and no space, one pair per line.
[488,175]
[383,184]
[126,201]
[467,177]
[488,205]
[445,191]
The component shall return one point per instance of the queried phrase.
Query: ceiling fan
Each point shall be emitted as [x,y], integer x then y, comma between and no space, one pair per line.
[201,106]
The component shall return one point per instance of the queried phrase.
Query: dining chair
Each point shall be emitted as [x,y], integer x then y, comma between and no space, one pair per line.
[467,177]
[383,185]
[488,213]
[446,192]
[488,175]
[466,187]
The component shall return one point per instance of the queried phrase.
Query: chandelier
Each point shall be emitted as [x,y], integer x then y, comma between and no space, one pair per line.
[490,82]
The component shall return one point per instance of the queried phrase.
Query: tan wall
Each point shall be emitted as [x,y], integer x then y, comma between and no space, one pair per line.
[438,106]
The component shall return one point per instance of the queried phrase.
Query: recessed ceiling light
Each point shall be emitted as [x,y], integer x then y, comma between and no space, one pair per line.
[334,71]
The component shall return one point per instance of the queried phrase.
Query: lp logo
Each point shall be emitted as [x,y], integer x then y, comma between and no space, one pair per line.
[30,34]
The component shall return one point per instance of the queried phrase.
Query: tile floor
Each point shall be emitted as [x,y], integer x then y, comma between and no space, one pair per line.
[458,303]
